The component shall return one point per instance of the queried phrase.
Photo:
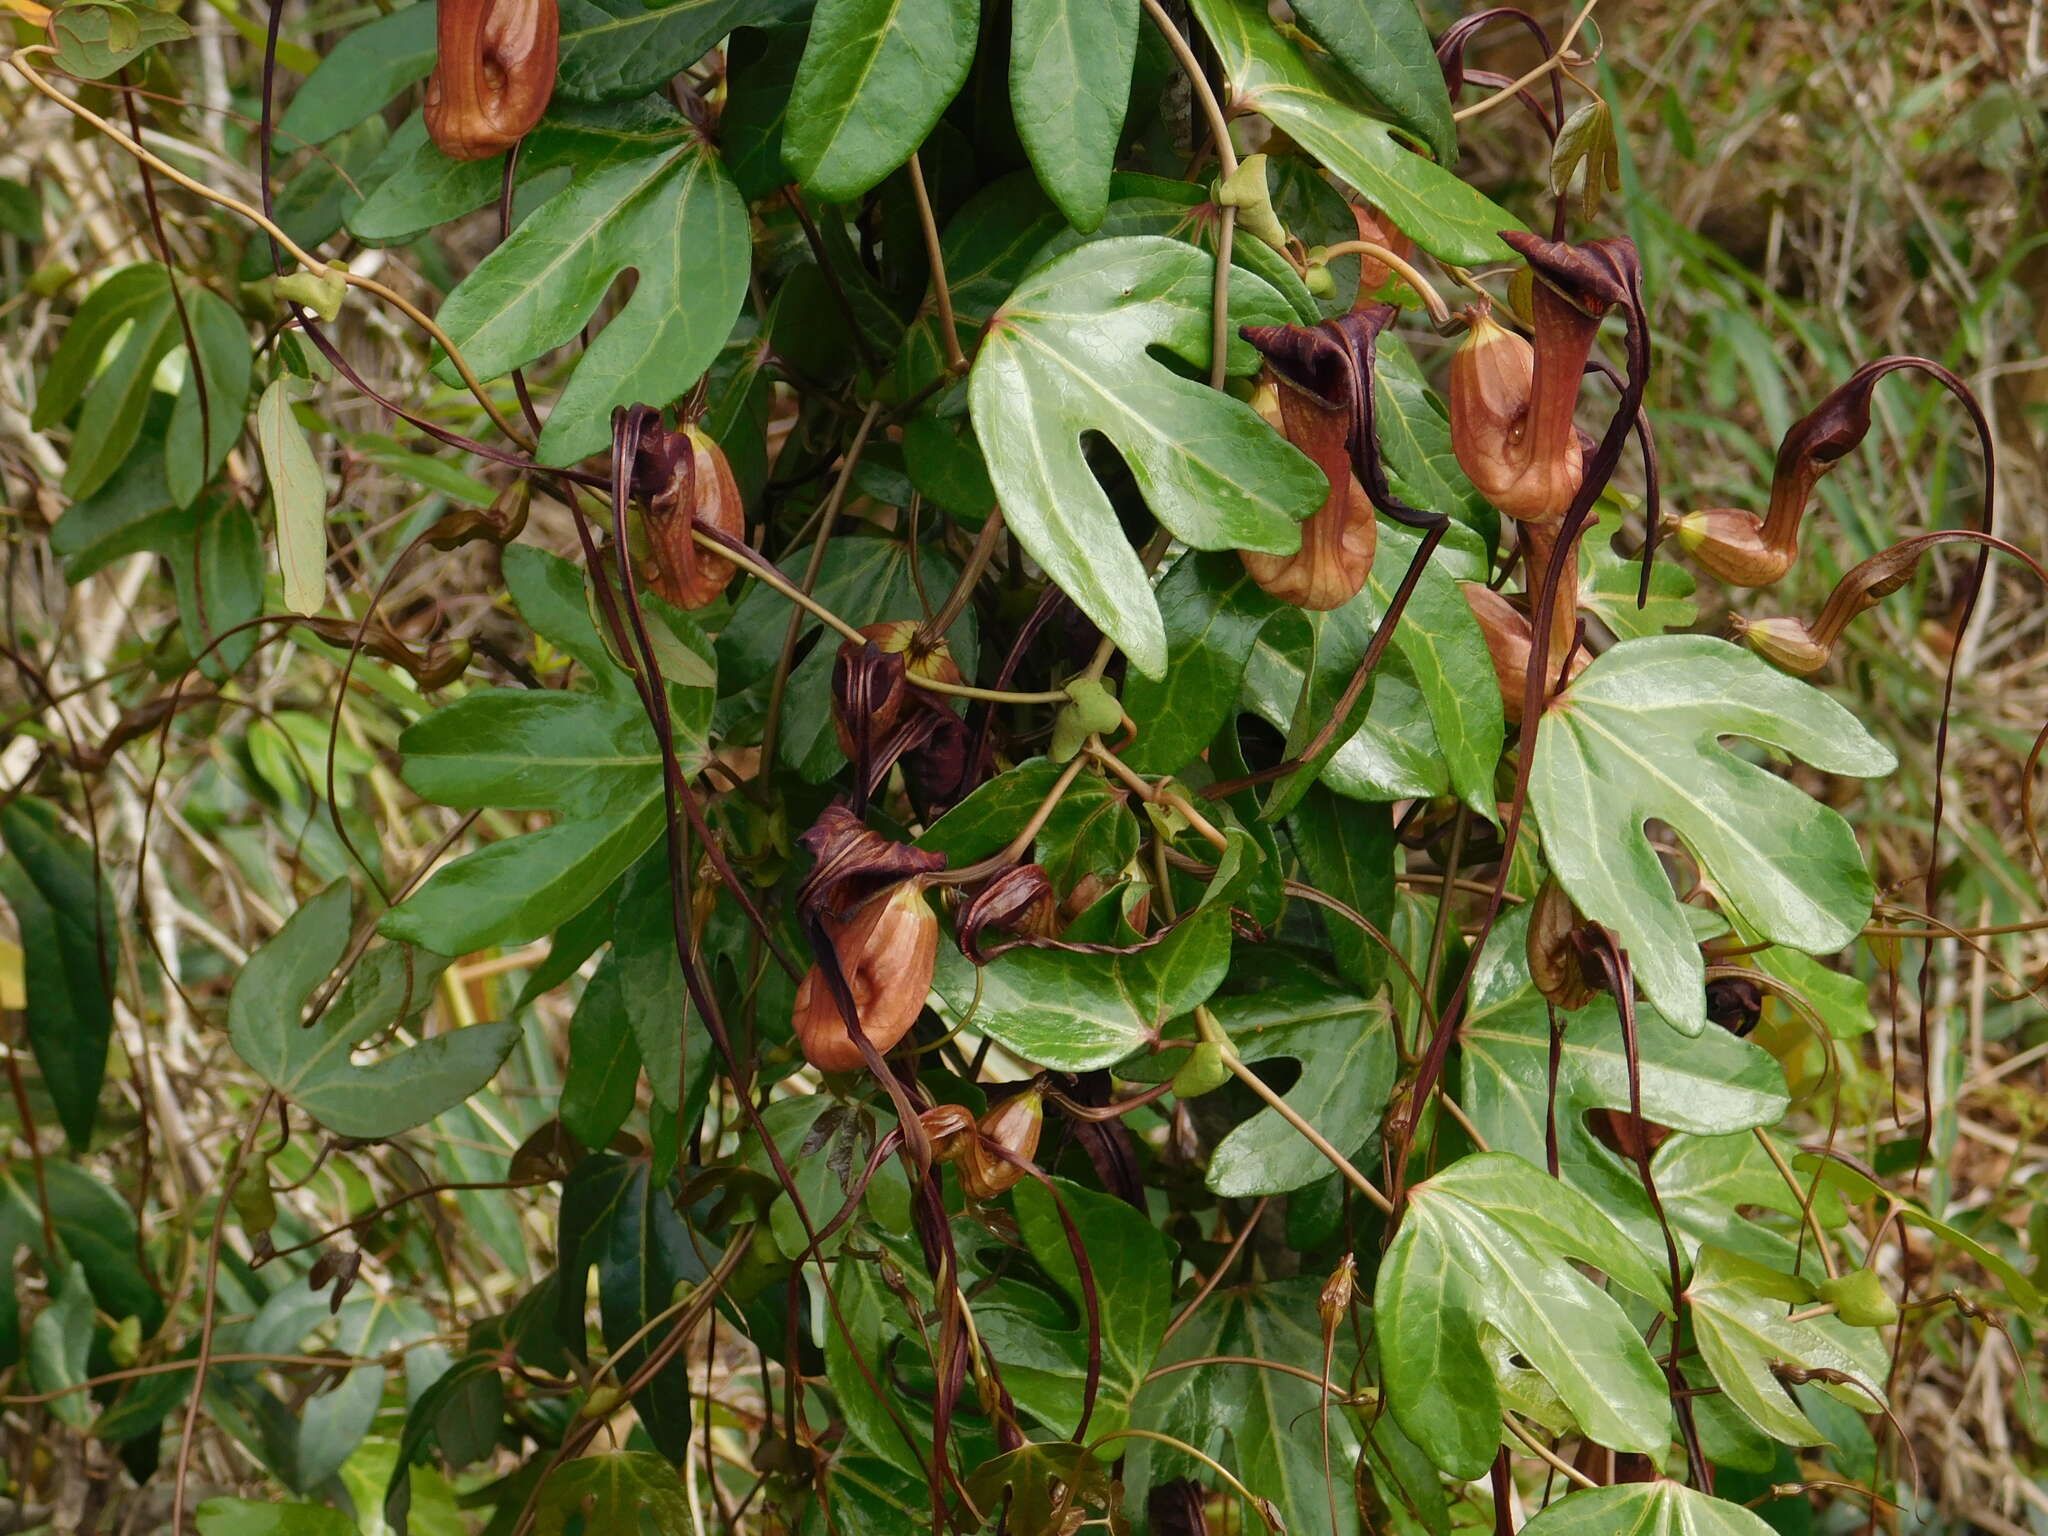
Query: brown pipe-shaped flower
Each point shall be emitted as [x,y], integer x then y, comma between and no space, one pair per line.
[1745,550]
[1019,901]
[1554,960]
[1013,1126]
[1507,632]
[1338,540]
[494,70]
[687,482]
[1802,648]
[887,952]
[1512,401]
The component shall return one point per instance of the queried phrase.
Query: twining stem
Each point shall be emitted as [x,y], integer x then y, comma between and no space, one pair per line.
[204,1360]
[963,590]
[1011,852]
[1226,161]
[291,247]
[1158,794]
[1571,1472]
[1439,311]
[828,518]
[1515,87]
[1133,1433]
[1212,1031]
[743,555]
[956,360]
[1803,1196]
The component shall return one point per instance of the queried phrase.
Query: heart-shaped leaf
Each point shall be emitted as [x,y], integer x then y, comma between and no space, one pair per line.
[1344,1045]
[1709,1085]
[313,1065]
[1077,1012]
[1070,354]
[1323,113]
[669,214]
[1637,738]
[1491,1239]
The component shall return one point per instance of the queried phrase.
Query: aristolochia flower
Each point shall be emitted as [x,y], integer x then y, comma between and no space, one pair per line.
[494,70]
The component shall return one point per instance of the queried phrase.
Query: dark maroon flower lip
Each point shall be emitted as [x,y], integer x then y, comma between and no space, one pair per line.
[854,863]
[1019,900]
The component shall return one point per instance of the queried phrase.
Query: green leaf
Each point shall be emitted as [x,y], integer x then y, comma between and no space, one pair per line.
[1854,1184]
[1415,444]
[312,1066]
[1344,1045]
[1392,756]
[1491,1238]
[190,455]
[1270,1419]
[216,559]
[1446,651]
[1348,852]
[64,913]
[1738,1313]
[21,211]
[672,216]
[1091,831]
[604,1061]
[875,76]
[1714,1189]
[132,511]
[614,50]
[94,39]
[617,1216]
[1442,655]
[361,74]
[298,494]
[1707,1086]
[1608,585]
[248,1517]
[670,1037]
[136,309]
[760,68]
[1383,45]
[1131,1267]
[630,1493]
[1077,1012]
[1070,81]
[1313,103]
[58,1341]
[590,758]
[1212,611]
[1645,1509]
[94,1228]
[1637,737]
[1070,354]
